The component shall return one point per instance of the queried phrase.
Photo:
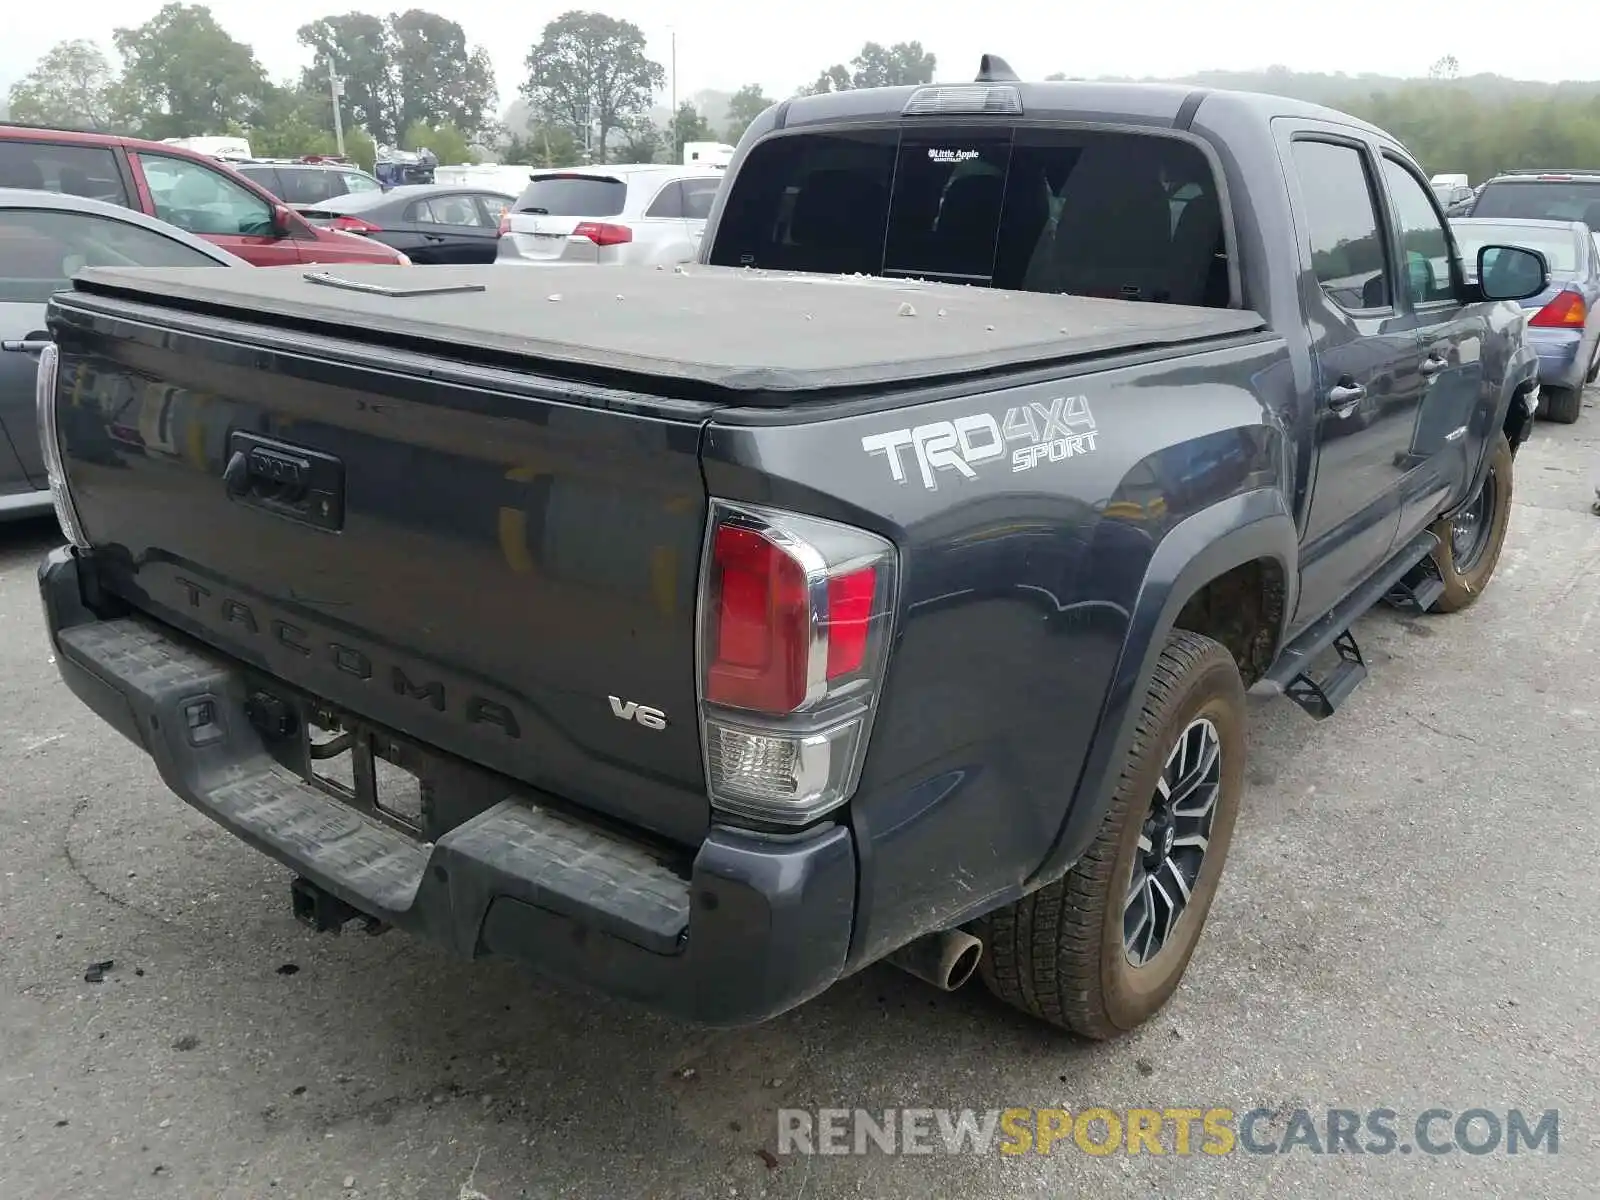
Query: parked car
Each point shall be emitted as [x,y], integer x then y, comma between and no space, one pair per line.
[651,215]
[1542,195]
[1564,326]
[46,238]
[434,223]
[300,184]
[198,194]
[741,628]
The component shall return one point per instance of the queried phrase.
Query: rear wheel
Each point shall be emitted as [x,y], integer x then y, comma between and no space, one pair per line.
[1101,950]
[1470,542]
[1562,405]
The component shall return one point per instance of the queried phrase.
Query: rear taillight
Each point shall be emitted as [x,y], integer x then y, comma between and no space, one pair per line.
[355,225]
[1566,311]
[795,622]
[44,397]
[602,234]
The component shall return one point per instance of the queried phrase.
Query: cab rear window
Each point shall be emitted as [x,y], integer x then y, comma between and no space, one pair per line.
[1118,215]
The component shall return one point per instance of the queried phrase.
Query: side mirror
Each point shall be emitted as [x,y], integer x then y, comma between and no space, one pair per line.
[1512,272]
[282,221]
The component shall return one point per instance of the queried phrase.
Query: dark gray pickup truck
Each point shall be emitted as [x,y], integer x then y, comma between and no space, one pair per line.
[886,585]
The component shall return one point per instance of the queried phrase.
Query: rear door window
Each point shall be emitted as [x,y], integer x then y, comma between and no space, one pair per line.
[573,196]
[308,185]
[668,202]
[1348,253]
[90,171]
[1118,215]
[267,177]
[698,195]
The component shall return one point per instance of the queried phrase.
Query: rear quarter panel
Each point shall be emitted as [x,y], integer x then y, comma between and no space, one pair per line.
[1018,589]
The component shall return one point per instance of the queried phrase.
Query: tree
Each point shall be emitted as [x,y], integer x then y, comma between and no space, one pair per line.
[543,146]
[641,141]
[591,71]
[448,144]
[184,76]
[437,80]
[688,126]
[877,66]
[359,47]
[748,103]
[1447,67]
[70,86]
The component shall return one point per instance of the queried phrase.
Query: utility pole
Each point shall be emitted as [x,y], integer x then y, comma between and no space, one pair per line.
[336,90]
[677,151]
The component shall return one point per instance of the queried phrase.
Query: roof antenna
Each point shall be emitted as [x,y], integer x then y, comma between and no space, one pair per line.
[994,69]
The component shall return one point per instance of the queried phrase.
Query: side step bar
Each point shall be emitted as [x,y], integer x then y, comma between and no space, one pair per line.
[1405,578]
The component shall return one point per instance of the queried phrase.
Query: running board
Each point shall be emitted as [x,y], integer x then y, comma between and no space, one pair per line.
[1321,695]
[1417,589]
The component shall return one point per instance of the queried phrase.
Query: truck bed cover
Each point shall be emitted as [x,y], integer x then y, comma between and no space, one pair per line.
[736,331]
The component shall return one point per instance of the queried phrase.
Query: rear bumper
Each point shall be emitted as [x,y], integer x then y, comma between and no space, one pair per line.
[757,927]
[1562,362]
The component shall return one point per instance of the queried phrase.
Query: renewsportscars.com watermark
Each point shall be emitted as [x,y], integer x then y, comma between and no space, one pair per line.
[1178,1131]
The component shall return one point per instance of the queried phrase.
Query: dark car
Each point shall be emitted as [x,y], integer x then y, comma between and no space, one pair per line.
[1542,195]
[190,190]
[429,223]
[44,240]
[884,585]
[299,184]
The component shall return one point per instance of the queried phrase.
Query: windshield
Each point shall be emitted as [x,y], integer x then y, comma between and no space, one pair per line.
[573,196]
[1542,201]
[1116,215]
[1559,246]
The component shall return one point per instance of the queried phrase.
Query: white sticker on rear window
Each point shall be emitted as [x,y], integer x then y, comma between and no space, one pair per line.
[951,156]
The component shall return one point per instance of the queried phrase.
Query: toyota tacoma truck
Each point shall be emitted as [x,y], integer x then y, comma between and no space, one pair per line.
[885,585]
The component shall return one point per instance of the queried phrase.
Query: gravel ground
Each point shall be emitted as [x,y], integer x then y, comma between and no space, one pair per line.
[1403,925]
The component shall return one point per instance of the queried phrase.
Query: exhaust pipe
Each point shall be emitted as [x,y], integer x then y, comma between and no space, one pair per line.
[946,959]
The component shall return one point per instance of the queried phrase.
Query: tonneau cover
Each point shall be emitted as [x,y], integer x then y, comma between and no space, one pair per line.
[746,331]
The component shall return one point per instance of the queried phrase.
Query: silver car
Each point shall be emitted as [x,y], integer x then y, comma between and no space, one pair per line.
[644,214]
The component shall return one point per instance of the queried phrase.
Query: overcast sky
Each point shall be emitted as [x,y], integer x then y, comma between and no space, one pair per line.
[782,46]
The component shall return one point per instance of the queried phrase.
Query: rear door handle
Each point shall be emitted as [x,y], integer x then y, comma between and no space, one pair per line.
[1343,398]
[1432,365]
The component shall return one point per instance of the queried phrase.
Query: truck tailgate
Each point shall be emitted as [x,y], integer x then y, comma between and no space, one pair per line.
[497,573]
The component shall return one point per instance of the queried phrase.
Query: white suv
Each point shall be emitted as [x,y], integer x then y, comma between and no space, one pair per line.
[610,214]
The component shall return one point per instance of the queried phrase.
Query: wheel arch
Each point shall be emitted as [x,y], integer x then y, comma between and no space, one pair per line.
[1209,555]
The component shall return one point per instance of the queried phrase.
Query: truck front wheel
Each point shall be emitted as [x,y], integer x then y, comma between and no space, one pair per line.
[1102,949]
[1470,542]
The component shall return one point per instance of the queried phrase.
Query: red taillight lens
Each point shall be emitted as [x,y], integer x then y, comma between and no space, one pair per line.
[761,625]
[355,225]
[849,614]
[602,234]
[1566,311]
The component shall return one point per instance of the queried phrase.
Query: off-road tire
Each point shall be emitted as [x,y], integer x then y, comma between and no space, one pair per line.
[1561,405]
[1058,954]
[1463,588]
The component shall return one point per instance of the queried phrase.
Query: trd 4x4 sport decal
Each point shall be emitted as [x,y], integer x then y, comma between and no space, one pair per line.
[1047,432]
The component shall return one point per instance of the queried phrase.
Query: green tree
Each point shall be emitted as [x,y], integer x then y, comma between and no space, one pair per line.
[292,121]
[877,66]
[591,71]
[438,80]
[688,126]
[70,86]
[642,141]
[544,145]
[447,142]
[748,103]
[184,76]
[359,47]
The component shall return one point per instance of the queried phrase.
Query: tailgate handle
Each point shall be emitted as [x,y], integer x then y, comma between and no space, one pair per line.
[290,481]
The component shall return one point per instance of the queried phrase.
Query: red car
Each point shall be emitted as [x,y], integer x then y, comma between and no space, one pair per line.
[189,190]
